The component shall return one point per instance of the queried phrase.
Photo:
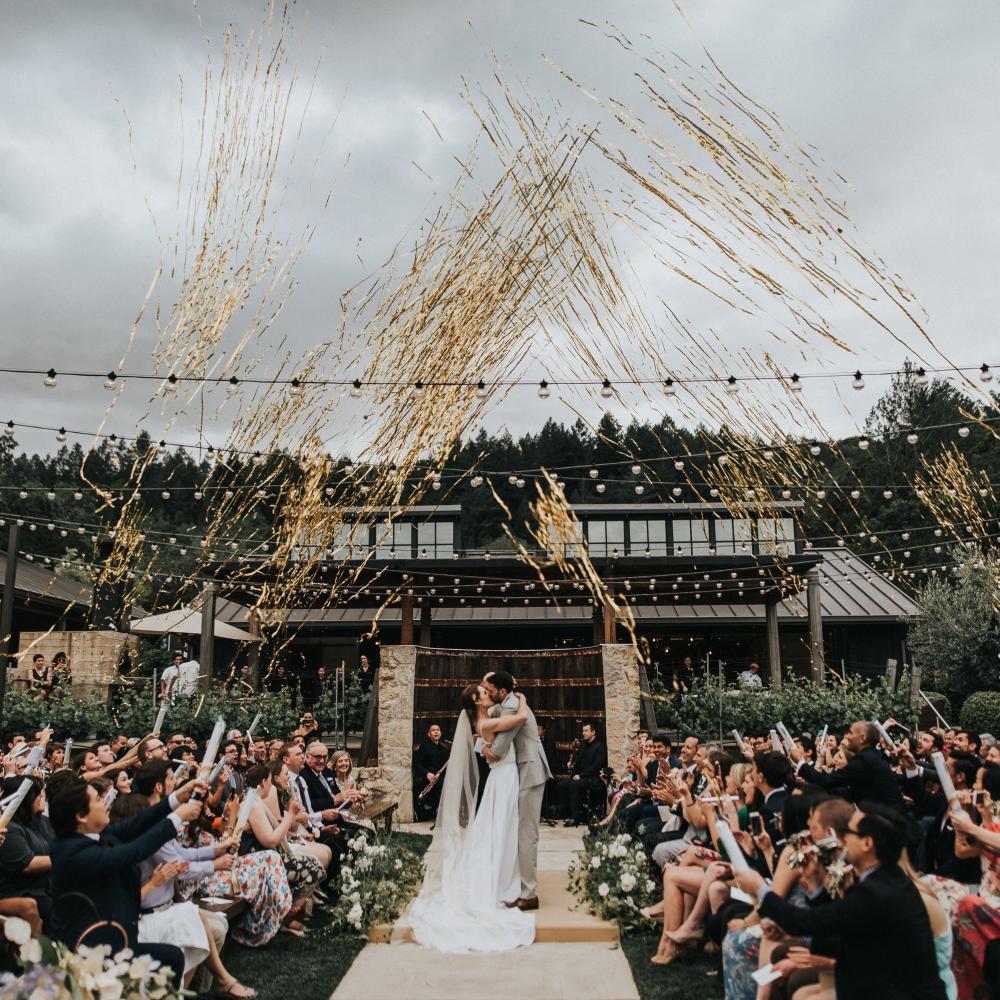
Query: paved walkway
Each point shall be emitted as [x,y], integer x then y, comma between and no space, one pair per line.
[575,955]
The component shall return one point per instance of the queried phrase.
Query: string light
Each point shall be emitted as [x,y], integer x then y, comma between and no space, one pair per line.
[171,384]
[111,381]
[50,379]
[606,390]
[858,382]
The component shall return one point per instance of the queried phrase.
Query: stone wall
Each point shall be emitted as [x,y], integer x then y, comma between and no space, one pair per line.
[93,657]
[621,698]
[397,672]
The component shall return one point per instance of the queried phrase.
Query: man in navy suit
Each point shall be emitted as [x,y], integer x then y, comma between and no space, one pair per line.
[95,866]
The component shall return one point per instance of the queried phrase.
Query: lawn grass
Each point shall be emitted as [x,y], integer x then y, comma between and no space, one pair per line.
[292,968]
[692,978]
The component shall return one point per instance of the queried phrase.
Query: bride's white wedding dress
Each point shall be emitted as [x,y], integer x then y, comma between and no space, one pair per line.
[473,861]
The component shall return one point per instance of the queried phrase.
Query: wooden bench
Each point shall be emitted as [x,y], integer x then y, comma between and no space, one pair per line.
[377,812]
[231,909]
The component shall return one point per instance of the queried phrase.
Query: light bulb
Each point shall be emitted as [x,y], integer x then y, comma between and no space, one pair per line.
[170,384]
[594,473]
[111,381]
[8,429]
[821,494]
[356,389]
[232,386]
[912,438]
[795,383]
[165,494]
[921,377]
[859,382]
[600,487]
[476,481]
[258,458]
[543,390]
[519,483]
[61,435]
[814,449]
[676,491]
[640,489]
[963,431]
[50,379]
[855,494]
[481,391]
[295,389]
[679,465]
[731,385]
[985,375]
[768,454]
[606,391]
[161,449]
[669,389]
[887,494]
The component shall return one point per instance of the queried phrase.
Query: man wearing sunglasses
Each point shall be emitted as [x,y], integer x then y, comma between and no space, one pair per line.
[886,947]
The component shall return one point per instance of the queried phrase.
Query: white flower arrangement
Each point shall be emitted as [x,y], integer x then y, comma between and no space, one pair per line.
[52,972]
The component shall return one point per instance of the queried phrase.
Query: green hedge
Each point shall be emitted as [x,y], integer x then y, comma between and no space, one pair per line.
[131,711]
[802,705]
[981,712]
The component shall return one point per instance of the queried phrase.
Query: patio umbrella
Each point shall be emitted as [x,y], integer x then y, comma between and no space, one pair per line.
[186,621]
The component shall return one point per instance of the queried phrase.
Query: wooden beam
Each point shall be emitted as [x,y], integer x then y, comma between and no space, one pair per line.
[406,622]
[598,617]
[610,621]
[206,650]
[773,642]
[425,626]
[817,656]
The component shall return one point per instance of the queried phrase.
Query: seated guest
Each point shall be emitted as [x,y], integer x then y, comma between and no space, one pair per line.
[279,799]
[585,784]
[198,933]
[322,819]
[24,855]
[428,759]
[866,777]
[885,947]
[942,852]
[95,878]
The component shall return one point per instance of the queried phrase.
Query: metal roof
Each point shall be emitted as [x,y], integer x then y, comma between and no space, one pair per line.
[39,584]
[847,595]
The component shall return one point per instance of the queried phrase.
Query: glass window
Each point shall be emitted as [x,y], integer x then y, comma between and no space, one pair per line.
[350,541]
[647,535]
[733,537]
[435,539]
[394,541]
[776,536]
[572,543]
[691,537]
[606,538]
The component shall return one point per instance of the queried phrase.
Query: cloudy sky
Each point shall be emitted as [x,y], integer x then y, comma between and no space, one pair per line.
[899,97]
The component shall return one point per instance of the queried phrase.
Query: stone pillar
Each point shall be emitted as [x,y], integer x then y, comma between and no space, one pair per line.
[621,700]
[817,657]
[773,643]
[396,674]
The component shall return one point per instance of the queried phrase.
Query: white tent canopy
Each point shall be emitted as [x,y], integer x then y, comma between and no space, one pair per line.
[185,621]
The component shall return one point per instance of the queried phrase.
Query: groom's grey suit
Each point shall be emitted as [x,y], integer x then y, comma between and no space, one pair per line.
[532,772]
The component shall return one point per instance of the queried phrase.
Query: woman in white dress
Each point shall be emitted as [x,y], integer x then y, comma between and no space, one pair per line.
[474,869]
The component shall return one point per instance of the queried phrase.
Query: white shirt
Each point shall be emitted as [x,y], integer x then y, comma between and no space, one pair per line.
[749,679]
[187,678]
[169,679]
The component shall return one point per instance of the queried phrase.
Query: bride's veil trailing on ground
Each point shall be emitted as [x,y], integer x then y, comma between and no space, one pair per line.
[447,881]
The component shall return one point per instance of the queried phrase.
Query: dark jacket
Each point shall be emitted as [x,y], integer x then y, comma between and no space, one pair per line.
[320,793]
[867,777]
[428,758]
[106,872]
[886,949]
[591,759]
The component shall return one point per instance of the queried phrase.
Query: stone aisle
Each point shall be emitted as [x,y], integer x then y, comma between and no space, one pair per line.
[575,956]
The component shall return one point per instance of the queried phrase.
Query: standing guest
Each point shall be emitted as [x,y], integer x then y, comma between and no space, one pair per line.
[276,679]
[308,727]
[25,863]
[428,759]
[188,678]
[750,678]
[585,783]
[62,675]
[169,678]
[95,876]
[366,673]
[40,680]
[885,947]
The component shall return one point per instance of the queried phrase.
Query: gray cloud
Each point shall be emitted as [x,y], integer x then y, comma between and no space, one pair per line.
[899,97]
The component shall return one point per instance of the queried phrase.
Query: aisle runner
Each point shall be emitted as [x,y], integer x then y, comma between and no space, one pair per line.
[575,956]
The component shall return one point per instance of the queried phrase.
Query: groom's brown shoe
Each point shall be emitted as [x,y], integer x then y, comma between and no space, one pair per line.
[527,904]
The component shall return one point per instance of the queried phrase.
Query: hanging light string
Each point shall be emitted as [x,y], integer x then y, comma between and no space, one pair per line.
[446,473]
[171,382]
[182,539]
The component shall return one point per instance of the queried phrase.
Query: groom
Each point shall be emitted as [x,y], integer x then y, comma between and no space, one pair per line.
[532,772]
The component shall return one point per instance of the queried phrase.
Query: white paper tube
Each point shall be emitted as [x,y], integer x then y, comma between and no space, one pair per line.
[216,771]
[253,725]
[67,750]
[160,716]
[34,758]
[110,797]
[944,779]
[736,859]
[212,750]
[739,740]
[883,735]
[18,797]
[20,749]
[244,813]
[775,741]
[786,737]
[821,742]
[181,770]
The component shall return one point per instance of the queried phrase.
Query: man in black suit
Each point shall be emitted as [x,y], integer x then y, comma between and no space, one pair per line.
[428,760]
[95,866]
[772,774]
[867,776]
[585,784]
[885,948]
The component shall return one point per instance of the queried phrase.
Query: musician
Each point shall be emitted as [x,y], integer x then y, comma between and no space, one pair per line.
[428,759]
[584,785]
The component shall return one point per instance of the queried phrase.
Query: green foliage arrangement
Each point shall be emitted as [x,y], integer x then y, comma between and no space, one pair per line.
[378,877]
[981,712]
[801,704]
[610,877]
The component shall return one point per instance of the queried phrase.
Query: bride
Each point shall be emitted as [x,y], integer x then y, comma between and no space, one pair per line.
[461,905]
